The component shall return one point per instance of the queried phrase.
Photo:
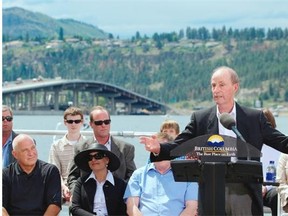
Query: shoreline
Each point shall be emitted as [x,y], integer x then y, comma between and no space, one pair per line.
[38,112]
[283,113]
[60,112]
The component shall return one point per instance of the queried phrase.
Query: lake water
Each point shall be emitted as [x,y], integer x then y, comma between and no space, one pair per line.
[123,123]
[119,123]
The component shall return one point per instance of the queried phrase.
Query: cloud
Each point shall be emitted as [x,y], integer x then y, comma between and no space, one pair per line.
[124,17]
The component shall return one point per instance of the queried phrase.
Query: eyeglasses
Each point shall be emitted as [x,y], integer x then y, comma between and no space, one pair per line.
[106,122]
[97,156]
[8,118]
[75,121]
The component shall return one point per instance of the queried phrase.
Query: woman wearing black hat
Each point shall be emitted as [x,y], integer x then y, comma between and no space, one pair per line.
[99,193]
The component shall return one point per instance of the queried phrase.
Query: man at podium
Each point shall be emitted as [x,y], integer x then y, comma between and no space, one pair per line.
[252,126]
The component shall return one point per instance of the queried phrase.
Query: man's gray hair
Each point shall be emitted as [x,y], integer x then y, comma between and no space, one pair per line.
[19,138]
[234,75]
[7,108]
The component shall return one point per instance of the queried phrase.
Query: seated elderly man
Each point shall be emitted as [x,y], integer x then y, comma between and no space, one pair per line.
[30,186]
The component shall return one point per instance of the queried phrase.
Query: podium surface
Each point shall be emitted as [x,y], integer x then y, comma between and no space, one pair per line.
[213,161]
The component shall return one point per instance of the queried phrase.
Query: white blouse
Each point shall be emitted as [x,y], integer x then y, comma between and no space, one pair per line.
[99,206]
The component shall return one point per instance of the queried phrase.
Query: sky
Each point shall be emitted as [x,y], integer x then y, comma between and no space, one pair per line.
[124,18]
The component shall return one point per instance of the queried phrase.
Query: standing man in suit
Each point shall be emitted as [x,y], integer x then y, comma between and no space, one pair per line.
[100,123]
[8,136]
[241,199]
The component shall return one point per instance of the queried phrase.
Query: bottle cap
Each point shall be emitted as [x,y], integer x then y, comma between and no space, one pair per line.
[271,162]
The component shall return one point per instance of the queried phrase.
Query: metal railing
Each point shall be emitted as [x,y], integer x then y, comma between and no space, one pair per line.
[85,133]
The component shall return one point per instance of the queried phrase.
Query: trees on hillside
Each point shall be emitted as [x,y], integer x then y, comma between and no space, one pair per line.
[171,72]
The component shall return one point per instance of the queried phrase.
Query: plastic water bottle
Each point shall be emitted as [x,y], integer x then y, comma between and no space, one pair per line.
[271,172]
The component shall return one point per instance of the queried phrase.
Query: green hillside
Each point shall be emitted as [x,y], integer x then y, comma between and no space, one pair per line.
[21,23]
[172,68]
[173,74]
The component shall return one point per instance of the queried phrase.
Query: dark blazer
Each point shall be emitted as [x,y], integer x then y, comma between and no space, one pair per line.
[84,192]
[123,150]
[251,123]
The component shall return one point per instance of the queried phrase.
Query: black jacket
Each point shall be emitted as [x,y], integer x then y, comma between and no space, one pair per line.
[84,192]
[251,123]
[123,150]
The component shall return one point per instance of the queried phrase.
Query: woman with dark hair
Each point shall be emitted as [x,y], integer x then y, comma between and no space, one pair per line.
[98,193]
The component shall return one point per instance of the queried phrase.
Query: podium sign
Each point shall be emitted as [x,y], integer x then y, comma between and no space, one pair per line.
[215,146]
[207,160]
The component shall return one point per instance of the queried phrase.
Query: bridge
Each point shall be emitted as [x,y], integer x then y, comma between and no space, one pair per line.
[58,94]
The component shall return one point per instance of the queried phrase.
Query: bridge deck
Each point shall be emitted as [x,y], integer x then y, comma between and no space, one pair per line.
[58,94]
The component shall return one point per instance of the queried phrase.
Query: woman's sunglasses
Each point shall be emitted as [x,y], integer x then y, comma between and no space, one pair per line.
[97,156]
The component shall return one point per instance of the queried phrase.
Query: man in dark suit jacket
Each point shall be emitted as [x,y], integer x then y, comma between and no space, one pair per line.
[100,123]
[8,136]
[242,199]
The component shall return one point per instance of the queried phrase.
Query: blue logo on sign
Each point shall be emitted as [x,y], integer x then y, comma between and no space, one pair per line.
[215,140]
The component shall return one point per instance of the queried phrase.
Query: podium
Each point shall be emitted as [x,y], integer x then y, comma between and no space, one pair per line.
[213,161]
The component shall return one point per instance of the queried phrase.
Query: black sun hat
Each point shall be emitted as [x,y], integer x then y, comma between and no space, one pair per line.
[82,158]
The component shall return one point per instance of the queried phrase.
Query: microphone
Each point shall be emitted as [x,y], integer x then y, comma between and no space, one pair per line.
[229,123]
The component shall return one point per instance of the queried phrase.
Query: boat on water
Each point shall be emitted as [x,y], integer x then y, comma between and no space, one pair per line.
[141,112]
[275,113]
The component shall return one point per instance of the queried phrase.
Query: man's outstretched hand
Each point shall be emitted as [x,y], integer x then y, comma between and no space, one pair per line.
[151,144]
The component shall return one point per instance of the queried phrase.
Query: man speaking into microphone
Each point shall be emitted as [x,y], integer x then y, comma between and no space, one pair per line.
[241,198]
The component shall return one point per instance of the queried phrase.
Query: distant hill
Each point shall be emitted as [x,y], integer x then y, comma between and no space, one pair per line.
[168,67]
[18,22]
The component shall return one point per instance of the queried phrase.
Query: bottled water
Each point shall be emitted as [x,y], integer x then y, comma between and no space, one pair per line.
[271,172]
